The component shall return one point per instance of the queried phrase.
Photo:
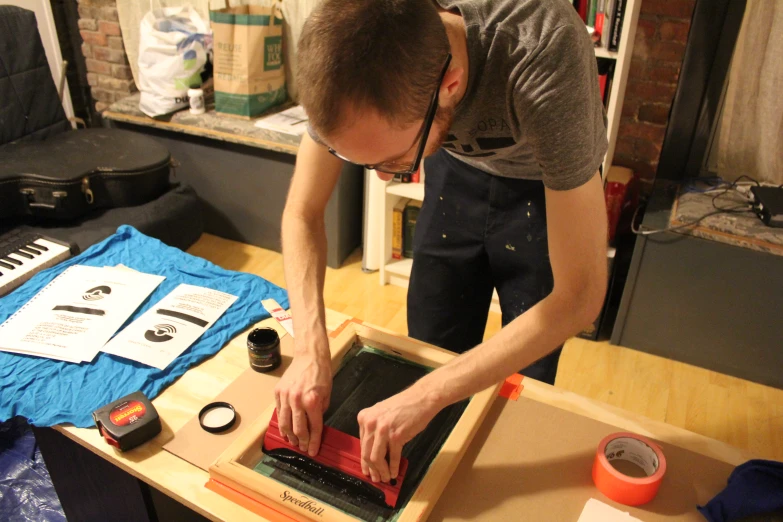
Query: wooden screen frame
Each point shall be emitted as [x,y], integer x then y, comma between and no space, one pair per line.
[234,468]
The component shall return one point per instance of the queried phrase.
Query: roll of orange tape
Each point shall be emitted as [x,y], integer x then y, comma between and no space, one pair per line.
[631,491]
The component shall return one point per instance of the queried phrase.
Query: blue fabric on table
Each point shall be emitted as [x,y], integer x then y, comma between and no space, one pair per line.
[754,488]
[49,392]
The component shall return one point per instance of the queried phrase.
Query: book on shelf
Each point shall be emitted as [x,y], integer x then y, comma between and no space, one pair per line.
[603,20]
[609,82]
[410,216]
[581,7]
[592,9]
[616,29]
[597,21]
[607,24]
[605,75]
[397,225]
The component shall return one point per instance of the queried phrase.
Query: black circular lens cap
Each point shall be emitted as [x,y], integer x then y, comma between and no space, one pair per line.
[217,417]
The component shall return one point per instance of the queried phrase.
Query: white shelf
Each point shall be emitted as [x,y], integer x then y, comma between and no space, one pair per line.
[401,267]
[602,52]
[407,190]
[397,272]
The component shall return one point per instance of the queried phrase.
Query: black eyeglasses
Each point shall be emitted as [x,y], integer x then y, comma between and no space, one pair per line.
[398,167]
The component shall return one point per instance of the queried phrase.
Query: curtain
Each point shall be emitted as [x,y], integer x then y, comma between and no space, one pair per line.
[751,132]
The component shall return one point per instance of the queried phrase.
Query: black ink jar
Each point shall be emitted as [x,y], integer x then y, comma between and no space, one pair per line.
[263,349]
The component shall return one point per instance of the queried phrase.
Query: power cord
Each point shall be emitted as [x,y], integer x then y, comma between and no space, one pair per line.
[732,186]
[718,210]
[640,232]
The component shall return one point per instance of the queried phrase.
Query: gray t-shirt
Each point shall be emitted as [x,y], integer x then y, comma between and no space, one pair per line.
[533,107]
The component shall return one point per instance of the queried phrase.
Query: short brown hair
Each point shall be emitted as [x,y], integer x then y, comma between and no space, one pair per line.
[385,55]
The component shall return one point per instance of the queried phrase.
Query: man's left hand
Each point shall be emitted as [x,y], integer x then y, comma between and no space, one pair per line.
[386,427]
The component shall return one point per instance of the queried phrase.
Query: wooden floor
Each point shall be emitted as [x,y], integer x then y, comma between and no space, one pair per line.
[742,413]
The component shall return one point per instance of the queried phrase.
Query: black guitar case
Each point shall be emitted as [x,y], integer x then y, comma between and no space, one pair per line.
[67,175]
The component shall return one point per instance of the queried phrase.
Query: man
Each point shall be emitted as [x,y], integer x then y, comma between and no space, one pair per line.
[502,98]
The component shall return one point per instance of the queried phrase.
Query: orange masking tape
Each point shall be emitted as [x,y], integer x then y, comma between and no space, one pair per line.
[631,491]
[512,387]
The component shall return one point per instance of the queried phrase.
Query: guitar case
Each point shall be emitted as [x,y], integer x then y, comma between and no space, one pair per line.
[75,172]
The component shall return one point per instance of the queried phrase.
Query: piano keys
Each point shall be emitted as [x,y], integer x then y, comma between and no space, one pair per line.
[22,255]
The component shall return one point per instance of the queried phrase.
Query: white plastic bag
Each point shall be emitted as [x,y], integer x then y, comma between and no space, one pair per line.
[173,44]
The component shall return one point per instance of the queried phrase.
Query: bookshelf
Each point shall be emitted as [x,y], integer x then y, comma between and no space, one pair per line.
[622,67]
[406,190]
[382,196]
[601,52]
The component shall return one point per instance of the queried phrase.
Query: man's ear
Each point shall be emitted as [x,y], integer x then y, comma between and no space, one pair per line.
[450,85]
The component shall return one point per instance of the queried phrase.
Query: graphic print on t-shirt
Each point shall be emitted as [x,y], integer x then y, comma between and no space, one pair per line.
[487,136]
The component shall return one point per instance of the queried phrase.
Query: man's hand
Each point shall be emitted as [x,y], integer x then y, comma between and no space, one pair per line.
[302,397]
[386,427]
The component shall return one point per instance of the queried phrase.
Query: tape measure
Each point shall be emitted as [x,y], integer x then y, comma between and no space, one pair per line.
[128,422]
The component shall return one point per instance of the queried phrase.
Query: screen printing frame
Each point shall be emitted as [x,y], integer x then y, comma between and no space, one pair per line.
[234,468]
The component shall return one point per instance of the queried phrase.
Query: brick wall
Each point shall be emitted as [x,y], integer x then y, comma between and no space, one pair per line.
[655,67]
[108,72]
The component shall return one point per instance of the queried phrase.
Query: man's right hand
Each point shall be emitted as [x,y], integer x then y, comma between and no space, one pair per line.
[302,397]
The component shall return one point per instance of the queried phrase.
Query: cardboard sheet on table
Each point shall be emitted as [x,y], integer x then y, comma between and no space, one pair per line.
[532,461]
[250,394]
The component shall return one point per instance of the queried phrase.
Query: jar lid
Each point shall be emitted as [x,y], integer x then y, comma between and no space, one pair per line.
[217,417]
[263,338]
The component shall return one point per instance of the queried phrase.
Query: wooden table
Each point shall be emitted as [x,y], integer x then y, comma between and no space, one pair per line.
[180,402]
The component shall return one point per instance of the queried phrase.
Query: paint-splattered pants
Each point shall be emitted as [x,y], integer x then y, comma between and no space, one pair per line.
[476,232]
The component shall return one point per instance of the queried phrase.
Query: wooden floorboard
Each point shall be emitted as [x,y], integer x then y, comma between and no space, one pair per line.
[745,414]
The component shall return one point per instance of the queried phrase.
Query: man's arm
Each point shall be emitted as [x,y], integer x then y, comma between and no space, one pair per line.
[576,226]
[303,392]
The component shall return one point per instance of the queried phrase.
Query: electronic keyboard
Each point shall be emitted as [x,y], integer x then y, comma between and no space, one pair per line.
[24,254]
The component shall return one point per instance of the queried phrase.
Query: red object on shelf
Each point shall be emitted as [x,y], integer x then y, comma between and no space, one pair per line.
[338,451]
[599,24]
[621,195]
[583,9]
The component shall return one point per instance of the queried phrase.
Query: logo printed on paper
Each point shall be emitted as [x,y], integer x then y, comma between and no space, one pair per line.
[161,333]
[97,293]
[273,53]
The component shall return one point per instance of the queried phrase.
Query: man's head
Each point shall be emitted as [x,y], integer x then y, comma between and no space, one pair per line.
[367,73]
